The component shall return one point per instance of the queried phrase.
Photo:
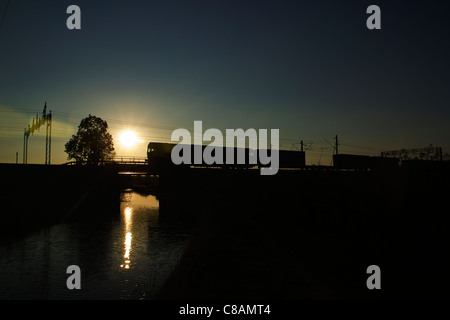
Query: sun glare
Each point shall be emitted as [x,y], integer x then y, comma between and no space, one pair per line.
[128,139]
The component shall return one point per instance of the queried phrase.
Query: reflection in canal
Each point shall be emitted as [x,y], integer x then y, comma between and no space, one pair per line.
[128,237]
[121,256]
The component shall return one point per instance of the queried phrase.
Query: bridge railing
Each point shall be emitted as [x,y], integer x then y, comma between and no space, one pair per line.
[131,160]
[117,160]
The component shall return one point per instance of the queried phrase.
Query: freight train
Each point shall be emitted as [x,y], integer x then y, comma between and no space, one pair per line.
[159,157]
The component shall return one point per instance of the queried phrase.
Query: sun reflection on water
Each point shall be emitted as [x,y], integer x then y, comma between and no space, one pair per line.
[128,237]
[133,206]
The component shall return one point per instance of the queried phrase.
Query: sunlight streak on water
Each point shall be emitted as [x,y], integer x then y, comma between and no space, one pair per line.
[128,236]
[34,267]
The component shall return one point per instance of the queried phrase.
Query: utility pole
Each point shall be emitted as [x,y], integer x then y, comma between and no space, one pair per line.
[17,157]
[301,146]
[25,145]
[46,120]
[336,145]
[48,137]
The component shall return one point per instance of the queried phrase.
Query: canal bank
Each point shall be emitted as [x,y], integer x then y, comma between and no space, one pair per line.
[35,196]
[313,235]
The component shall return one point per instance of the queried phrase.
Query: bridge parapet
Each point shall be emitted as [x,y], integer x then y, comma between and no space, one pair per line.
[115,161]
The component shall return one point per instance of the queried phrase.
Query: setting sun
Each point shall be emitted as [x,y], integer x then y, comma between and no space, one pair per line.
[128,139]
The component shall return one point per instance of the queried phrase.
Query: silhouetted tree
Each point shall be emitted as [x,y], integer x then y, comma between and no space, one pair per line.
[92,143]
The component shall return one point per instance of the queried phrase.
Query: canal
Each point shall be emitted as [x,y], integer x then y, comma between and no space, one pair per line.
[123,255]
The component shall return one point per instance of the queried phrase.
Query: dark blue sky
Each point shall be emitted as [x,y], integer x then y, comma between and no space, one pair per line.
[311,69]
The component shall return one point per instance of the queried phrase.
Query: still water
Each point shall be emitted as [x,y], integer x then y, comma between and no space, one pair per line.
[126,256]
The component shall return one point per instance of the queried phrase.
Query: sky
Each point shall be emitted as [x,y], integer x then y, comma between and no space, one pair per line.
[311,69]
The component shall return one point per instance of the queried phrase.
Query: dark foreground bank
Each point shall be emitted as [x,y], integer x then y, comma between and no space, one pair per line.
[313,235]
[37,196]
